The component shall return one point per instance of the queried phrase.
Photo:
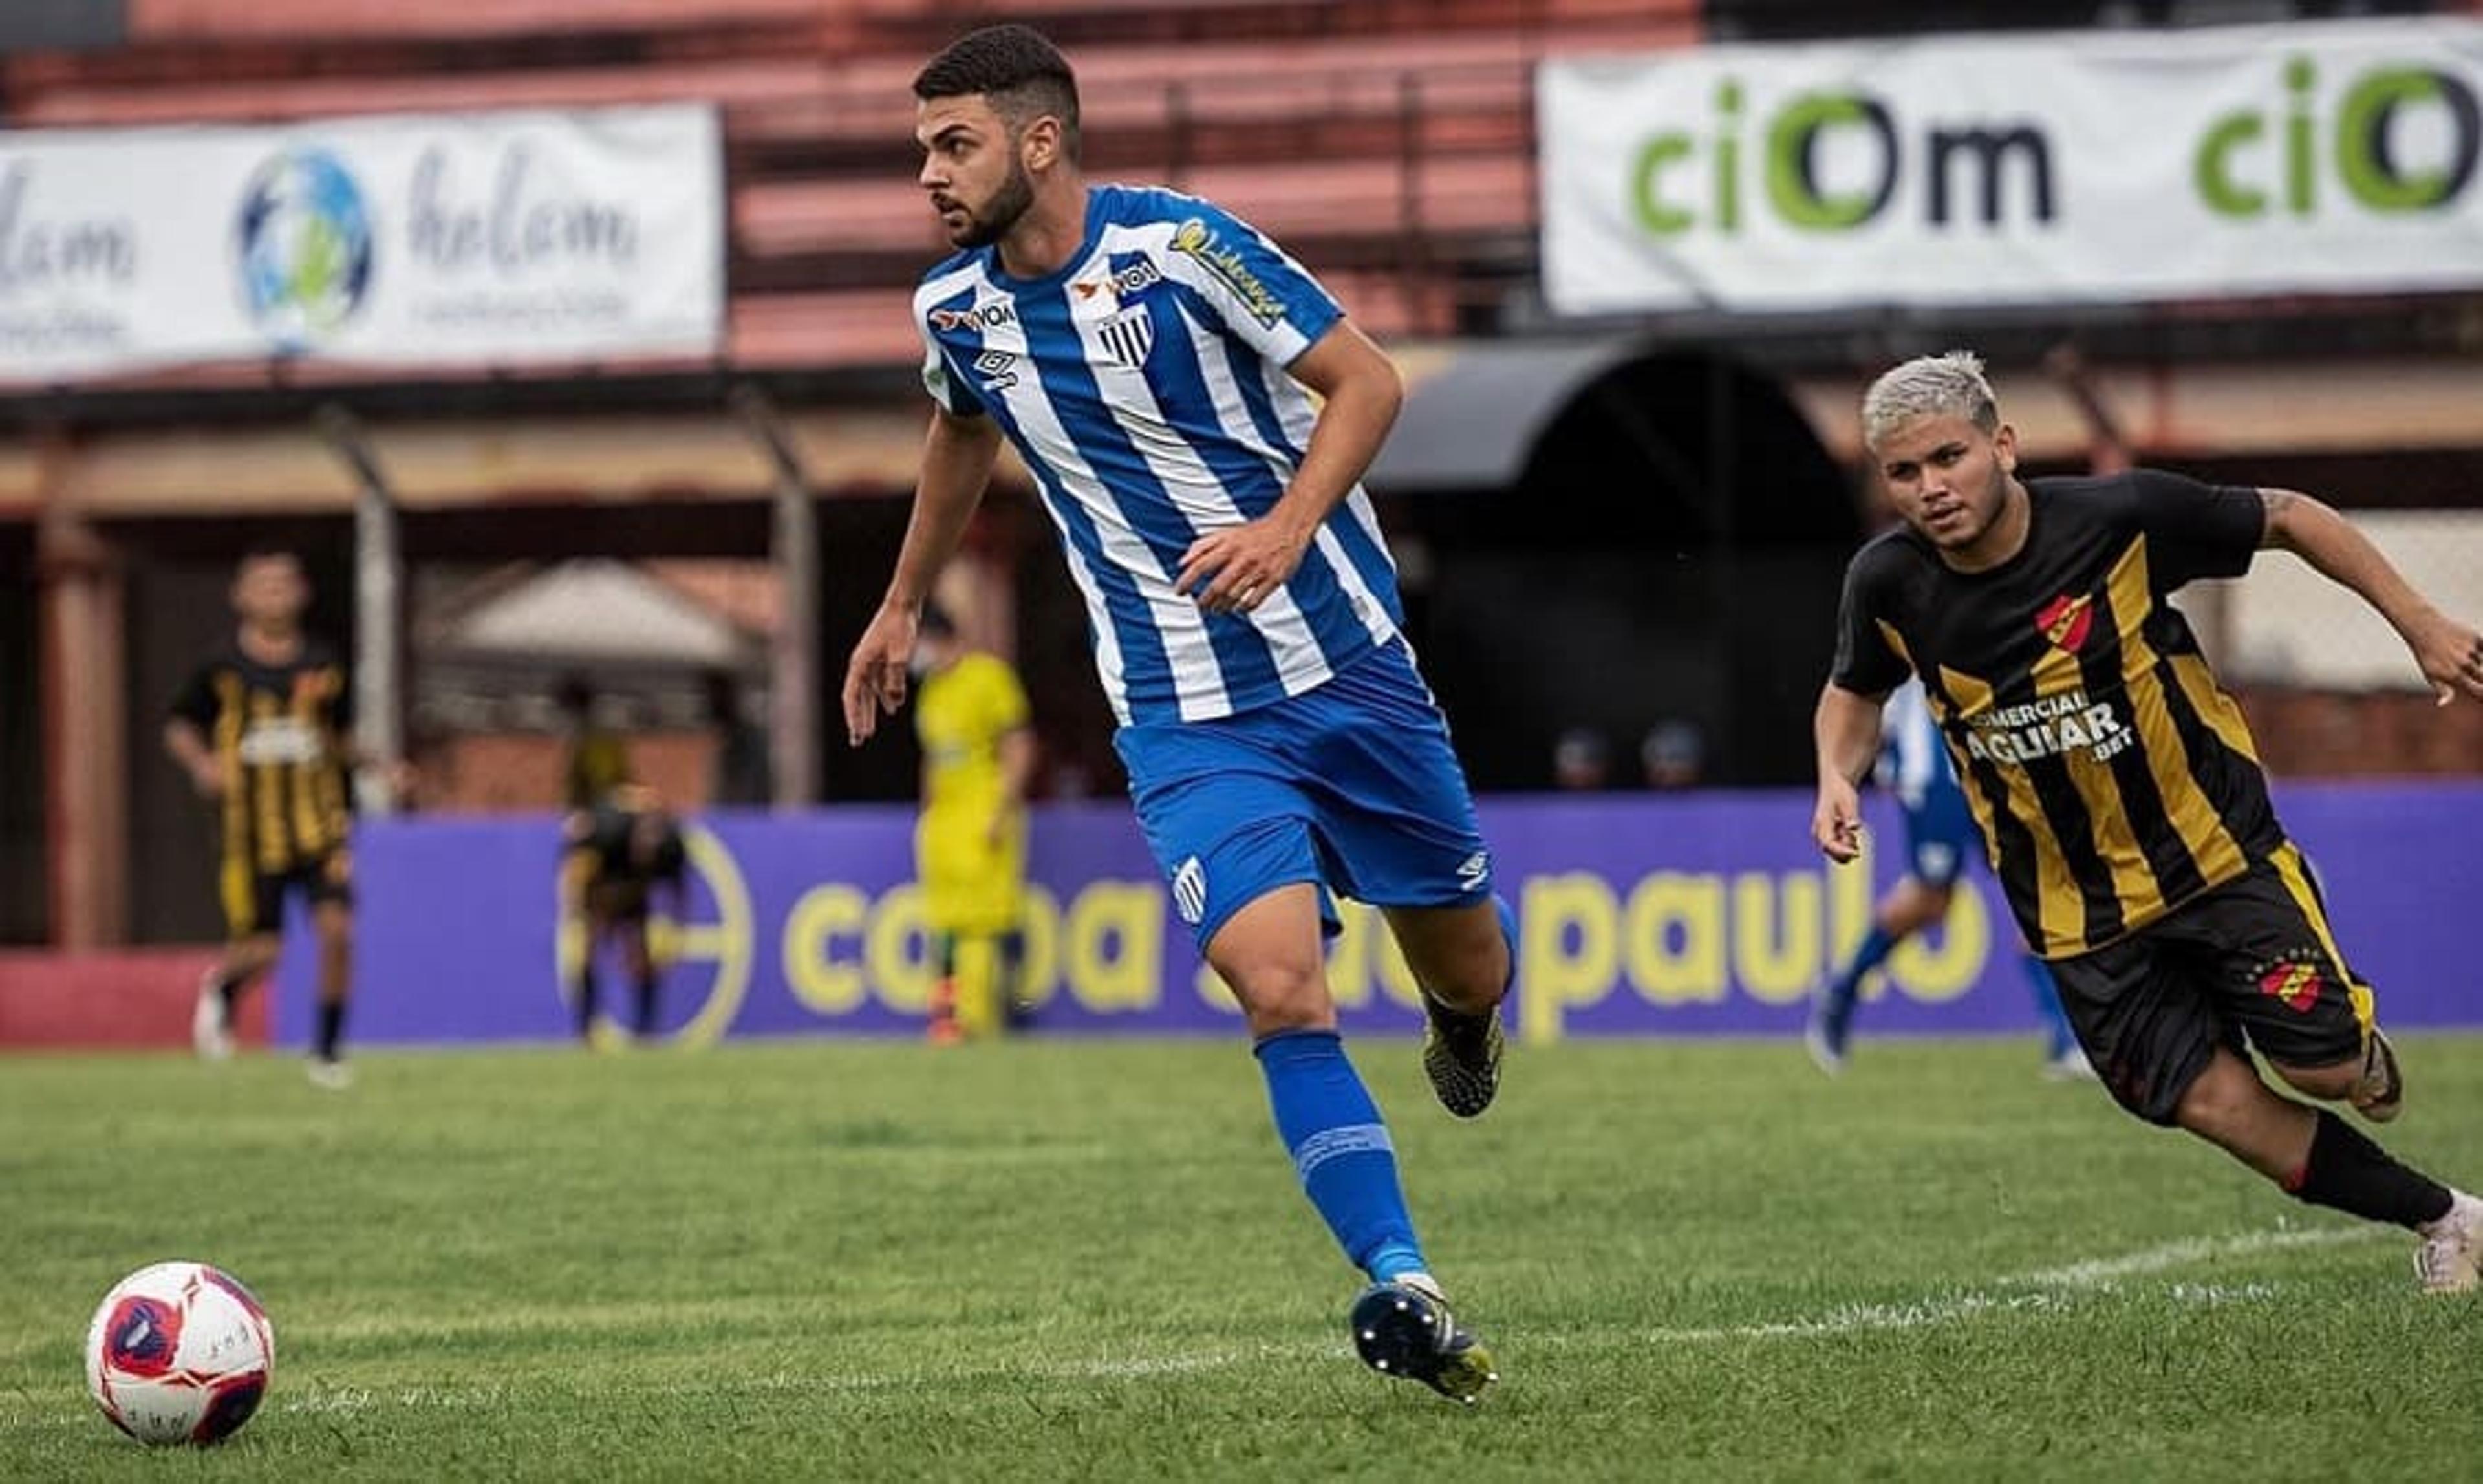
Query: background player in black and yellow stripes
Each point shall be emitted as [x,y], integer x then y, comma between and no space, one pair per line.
[2116,787]
[614,856]
[262,729]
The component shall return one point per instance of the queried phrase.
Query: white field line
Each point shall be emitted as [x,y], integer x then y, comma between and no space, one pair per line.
[2051,1287]
[2040,1289]
[2102,1272]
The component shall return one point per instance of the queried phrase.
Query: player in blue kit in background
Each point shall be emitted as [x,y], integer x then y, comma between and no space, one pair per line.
[1153,360]
[1941,838]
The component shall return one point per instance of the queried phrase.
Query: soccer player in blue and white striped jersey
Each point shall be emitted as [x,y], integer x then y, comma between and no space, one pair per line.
[1153,360]
[1941,838]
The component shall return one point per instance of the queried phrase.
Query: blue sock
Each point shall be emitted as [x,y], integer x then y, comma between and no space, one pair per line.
[1847,987]
[2059,1039]
[1341,1149]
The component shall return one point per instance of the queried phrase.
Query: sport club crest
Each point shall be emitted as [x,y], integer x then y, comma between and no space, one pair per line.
[2066,619]
[2292,981]
[1127,337]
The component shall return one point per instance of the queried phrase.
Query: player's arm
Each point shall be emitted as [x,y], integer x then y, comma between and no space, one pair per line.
[1845,730]
[1016,749]
[957,457]
[187,745]
[578,860]
[2449,651]
[185,735]
[1234,569]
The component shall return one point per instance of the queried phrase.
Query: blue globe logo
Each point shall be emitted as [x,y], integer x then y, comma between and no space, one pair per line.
[306,248]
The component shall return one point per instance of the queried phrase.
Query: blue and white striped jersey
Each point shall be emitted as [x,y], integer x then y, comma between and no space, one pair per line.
[1913,758]
[1144,385]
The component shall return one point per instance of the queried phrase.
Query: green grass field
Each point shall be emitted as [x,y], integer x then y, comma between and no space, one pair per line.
[825,1261]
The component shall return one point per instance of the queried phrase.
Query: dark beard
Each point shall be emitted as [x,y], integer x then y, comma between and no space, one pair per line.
[987,227]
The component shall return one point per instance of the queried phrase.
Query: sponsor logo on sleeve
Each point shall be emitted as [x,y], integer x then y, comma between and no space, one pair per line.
[1196,240]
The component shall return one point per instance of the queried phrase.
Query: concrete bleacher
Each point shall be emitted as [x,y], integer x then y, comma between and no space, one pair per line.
[1389,142]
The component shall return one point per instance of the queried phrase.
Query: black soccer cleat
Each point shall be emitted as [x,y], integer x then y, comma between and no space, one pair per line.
[1462,1056]
[1404,1329]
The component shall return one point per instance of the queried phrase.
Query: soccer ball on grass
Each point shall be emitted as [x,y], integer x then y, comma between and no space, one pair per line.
[180,1353]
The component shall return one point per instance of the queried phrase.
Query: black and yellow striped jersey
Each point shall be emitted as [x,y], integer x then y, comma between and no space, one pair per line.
[278,734]
[2112,776]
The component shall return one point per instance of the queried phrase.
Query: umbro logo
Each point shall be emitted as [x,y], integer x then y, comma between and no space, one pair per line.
[1474,870]
[997,369]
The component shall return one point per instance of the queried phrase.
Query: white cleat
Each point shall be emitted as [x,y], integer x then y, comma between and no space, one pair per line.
[331,1077]
[2070,1066]
[2450,1259]
[211,1021]
[1825,1054]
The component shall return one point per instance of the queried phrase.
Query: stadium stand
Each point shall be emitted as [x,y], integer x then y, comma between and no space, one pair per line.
[1392,138]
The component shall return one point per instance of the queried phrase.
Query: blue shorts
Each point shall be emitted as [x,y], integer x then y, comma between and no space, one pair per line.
[1351,785]
[1939,836]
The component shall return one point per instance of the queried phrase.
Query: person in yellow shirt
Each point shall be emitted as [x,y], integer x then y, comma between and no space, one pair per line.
[970,843]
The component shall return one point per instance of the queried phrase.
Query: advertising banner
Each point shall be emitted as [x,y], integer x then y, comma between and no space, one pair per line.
[487,239]
[2102,165]
[1683,915]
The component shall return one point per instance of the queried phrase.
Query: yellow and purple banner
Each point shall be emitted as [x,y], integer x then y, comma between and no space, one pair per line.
[1687,915]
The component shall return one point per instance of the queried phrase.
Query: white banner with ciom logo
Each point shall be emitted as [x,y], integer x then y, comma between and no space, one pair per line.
[2097,167]
[488,239]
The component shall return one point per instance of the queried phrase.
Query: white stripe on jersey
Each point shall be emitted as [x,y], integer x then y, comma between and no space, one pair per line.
[1909,757]
[1289,632]
[1109,667]
[1198,681]
[1294,411]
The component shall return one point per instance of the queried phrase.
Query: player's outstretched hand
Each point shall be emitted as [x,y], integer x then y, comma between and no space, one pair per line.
[1836,824]
[2451,656]
[876,678]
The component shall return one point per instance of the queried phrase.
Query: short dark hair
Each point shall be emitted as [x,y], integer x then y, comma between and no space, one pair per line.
[1017,68]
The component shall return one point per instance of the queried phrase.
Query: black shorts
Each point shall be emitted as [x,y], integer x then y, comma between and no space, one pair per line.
[2250,964]
[255,900]
[618,899]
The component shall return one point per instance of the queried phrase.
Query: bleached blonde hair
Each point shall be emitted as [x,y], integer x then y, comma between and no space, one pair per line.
[1946,386]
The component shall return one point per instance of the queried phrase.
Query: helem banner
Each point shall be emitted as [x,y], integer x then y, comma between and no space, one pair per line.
[2096,167]
[1640,914]
[488,239]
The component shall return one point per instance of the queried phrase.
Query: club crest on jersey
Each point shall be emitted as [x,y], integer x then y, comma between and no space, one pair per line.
[1127,337]
[2066,619]
[2292,981]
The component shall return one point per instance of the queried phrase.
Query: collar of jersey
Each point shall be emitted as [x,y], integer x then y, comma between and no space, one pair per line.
[1002,278]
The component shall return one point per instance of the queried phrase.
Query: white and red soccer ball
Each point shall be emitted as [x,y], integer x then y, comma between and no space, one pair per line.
[180,1353]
